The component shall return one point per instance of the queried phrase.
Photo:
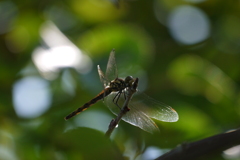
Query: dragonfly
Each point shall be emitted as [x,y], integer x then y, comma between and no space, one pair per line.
[142,108]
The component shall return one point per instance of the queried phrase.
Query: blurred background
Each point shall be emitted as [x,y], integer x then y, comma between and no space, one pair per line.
[186,54]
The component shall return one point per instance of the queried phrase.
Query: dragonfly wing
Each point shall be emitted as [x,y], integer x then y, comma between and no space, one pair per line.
[153,108]
[138,118]
[102,77]
[134,117]
[111,71]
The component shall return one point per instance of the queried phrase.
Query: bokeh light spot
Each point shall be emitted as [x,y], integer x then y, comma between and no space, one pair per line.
[31,97]
[232,153]
[188,25]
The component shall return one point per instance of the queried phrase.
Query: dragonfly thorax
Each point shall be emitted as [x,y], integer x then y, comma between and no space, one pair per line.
[117,84]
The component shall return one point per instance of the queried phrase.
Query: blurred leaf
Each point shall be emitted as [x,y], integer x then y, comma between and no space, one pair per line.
[96,11]
[89,144]
[195,75]
[202,83]
[130,40]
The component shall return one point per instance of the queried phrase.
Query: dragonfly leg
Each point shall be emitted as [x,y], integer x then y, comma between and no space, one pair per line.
[117,98]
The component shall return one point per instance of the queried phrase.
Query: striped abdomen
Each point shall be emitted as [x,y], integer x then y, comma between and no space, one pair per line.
[100,96]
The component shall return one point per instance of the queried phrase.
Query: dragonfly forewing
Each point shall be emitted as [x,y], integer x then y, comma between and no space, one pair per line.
[102,77]
[142,109]
[154,108]
[111,71]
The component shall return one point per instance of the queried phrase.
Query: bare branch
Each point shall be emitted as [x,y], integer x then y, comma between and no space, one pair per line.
[199,148]
[130,90]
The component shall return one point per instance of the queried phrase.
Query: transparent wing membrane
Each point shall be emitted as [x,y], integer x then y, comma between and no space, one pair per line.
[111,71]
[142,109]
[153,108]
[102,77]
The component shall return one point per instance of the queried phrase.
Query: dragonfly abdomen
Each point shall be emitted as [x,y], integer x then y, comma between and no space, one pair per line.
[100,96]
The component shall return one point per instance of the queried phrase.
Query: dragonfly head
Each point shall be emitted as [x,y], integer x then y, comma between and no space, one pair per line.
[129,80]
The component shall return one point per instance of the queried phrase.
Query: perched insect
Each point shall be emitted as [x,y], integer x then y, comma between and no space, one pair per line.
[142,107]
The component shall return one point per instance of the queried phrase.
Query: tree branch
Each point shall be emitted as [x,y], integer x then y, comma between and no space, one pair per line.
[196,149]
[130,90]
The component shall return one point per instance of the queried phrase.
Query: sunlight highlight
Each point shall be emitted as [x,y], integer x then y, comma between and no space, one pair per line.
[59,53]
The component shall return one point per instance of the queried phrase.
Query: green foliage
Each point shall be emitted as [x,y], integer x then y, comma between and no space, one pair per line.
[200,80]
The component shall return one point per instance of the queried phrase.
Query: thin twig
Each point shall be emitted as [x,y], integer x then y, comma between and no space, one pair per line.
[130,90]
[217,143]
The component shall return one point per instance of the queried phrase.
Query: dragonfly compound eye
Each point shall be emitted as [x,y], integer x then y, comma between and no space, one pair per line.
[129,80]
